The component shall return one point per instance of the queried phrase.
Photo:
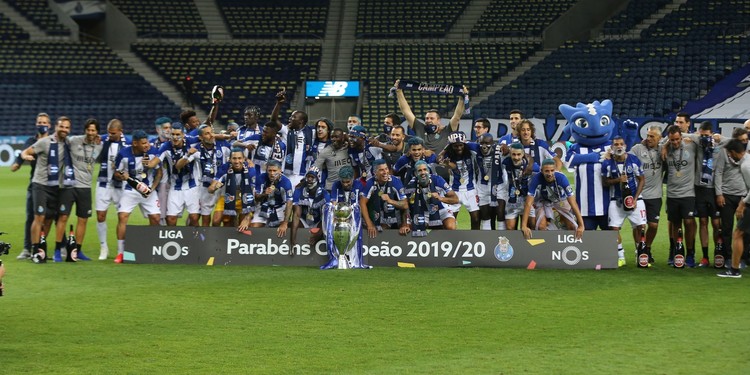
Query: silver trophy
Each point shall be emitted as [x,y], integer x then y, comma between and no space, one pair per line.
[344,234]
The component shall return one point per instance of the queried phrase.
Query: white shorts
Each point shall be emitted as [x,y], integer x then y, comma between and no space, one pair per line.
[515,210]
[468,199]
[547,210]
[262,218]
[131,198]
[163,193]
[502,192]
[106,196]
[207,200]
[180,199]
[617,214]
[485,195]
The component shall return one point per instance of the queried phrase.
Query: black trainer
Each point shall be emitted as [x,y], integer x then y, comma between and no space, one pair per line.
[730,272]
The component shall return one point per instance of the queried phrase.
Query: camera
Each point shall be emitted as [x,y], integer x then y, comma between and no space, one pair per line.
[4,246]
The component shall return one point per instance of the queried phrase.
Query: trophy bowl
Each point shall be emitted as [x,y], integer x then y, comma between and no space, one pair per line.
[342,232]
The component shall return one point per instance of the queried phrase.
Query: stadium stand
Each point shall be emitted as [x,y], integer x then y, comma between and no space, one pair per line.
[634,13]
[266,19]
[676,60]
[11,31]
[474,64]
[505,18]
[407,19]
[39,13]
[78,80]
[164,18]
[250,74]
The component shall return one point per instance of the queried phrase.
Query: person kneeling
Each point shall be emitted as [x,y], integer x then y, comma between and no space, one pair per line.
[550,192]
[429,196]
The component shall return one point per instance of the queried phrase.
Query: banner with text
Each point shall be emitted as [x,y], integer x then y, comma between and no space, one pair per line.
[460,248]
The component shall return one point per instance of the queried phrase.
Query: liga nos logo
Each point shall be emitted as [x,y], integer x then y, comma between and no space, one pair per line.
[571,254]
[170,250]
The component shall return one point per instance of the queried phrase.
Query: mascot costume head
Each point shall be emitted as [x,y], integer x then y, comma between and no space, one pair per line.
[591,128]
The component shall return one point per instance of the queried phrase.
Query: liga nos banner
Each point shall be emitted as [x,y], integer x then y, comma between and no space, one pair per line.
[441,248]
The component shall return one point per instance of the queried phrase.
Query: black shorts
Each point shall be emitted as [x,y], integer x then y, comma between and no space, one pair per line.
[705,202]
[82,199]
[653,209]
[680,208]
[46,199]
[744,223]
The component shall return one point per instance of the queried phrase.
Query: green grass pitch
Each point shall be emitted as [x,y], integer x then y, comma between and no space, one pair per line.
[99,317]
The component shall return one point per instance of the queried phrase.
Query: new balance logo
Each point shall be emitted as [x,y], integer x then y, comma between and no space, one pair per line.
[333,88]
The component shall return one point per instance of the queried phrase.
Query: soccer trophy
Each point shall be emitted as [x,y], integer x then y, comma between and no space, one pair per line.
[343,225]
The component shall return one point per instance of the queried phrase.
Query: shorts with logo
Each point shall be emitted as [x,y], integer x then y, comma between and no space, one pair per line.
[680,208]
[208,200]
[548,209]
[262,217]
[705,202]
[46,199]
[106,196]
[183,199]
[485,195]
[617,214]
[469,199]
[82,199]
[515,210]
[653,209]
[131,198]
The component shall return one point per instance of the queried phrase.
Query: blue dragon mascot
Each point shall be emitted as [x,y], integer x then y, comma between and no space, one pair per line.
[591,127]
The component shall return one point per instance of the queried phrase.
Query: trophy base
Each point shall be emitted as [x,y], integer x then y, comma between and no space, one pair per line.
[343,262]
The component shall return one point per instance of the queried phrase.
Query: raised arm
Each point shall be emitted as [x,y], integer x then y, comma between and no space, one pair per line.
[403,105]
[460,107]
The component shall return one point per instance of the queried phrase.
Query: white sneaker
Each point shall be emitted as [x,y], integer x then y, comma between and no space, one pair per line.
[103,253]
[25,254]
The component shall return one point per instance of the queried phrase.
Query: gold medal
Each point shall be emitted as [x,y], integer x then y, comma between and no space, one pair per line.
[143,175]
[89,168]
[518,192]
[486,178]
[310,217]
[380,193]
[462,181]
[678,174]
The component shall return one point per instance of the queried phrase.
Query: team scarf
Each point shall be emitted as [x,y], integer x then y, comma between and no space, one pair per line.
[432,88]
[315,208]
[380,212]
[269,207]
[362,160]
[245,188]
[425,209]
[209,163]
[519,184]
[291,146]
[707,164]
[186,171]
[133,170]
[53,164]
[630,176]
[104,163]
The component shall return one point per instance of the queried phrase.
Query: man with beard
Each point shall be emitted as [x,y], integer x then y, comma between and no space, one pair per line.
[518,170]
[551,192]
[273,199]
[623,174]
[54,170]
[308,201]
[653,172]
[349,190]
[429,196]
[681,160]
[460,159]
[334,157]
[361,153]
[432,131]
[264,147]
[108,188]
[84,150]
[383,204]
[490,176]
[163,134]
[183,166]
[392,140]
[252,115]
[730,190]
[237,181]
[133,162]
[212,154]
[299,139]
[42,128]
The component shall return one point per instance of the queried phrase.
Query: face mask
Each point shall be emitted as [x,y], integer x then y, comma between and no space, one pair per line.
[387,128]
[430,129]
[42,129]
[486,149]
[706,141]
